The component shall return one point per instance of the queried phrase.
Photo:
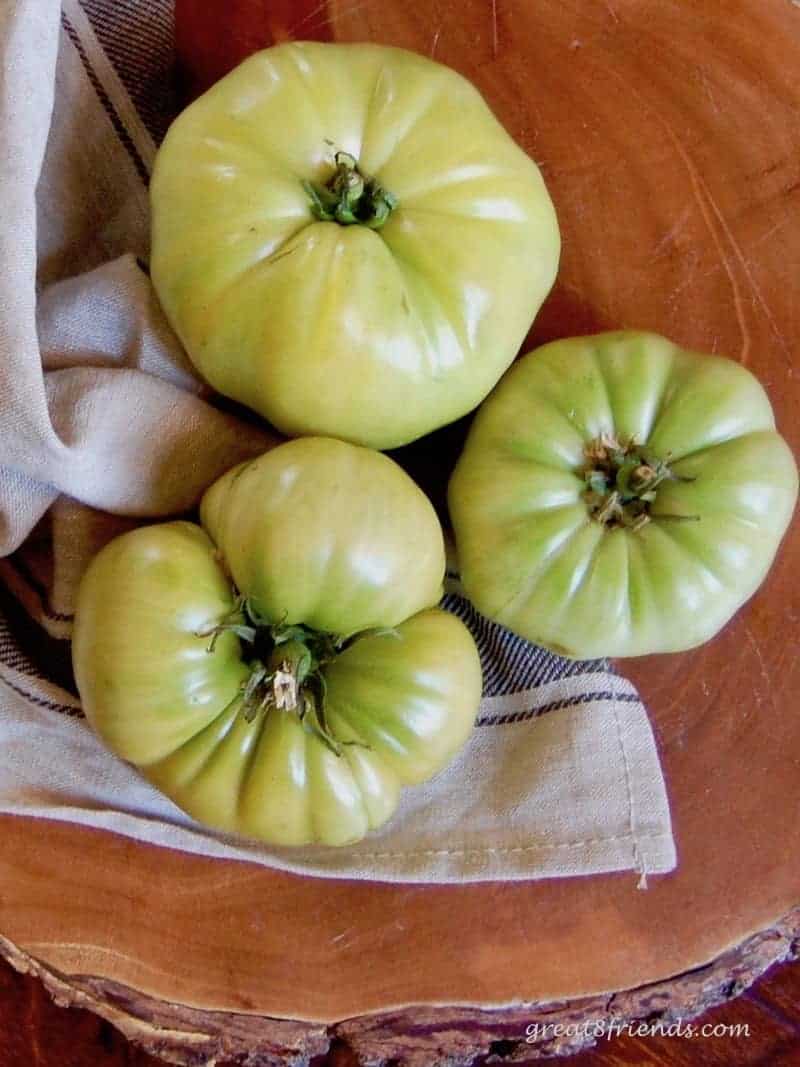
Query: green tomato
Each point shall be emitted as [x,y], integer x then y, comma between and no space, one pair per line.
[618,496]
[328,534]
[282,672]
[346,240]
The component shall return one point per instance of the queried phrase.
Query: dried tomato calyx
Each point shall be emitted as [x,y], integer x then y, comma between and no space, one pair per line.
[286,662]
[621,481]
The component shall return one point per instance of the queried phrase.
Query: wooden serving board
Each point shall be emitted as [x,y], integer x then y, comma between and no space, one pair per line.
[667,131]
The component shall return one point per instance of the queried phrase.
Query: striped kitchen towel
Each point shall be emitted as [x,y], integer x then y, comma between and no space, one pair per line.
[103,425]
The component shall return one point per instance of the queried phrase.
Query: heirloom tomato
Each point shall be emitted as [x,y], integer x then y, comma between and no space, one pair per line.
[281,670]
[618,495]
[347,241]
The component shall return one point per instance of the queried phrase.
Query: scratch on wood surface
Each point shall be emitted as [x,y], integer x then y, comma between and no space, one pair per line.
[762,665]
[709,210]
[779,225]
[749,275]
[707,88]
[308,26]
[314,13]
[687,281]
[612,12]
[495,40]
[671,234]
[705,201]
[435,40]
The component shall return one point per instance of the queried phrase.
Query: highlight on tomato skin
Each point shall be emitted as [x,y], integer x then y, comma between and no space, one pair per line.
[618,495]
[281,670]
[332,257]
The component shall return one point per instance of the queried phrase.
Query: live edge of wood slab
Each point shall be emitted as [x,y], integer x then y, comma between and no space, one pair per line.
[419,1036]
[667,131]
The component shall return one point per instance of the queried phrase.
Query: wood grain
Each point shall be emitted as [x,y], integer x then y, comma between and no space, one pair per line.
[667,132]
[423,1035]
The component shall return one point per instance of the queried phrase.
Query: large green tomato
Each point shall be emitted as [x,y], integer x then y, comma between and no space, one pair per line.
[346,240]
[281,671]
[618,496]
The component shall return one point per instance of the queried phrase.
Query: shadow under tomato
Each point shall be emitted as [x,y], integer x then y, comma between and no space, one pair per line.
[212,38]
[431,459]
[566,313]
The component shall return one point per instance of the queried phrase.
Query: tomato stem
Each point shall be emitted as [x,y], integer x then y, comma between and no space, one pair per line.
[622,480]
[349,197]
[286,663]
